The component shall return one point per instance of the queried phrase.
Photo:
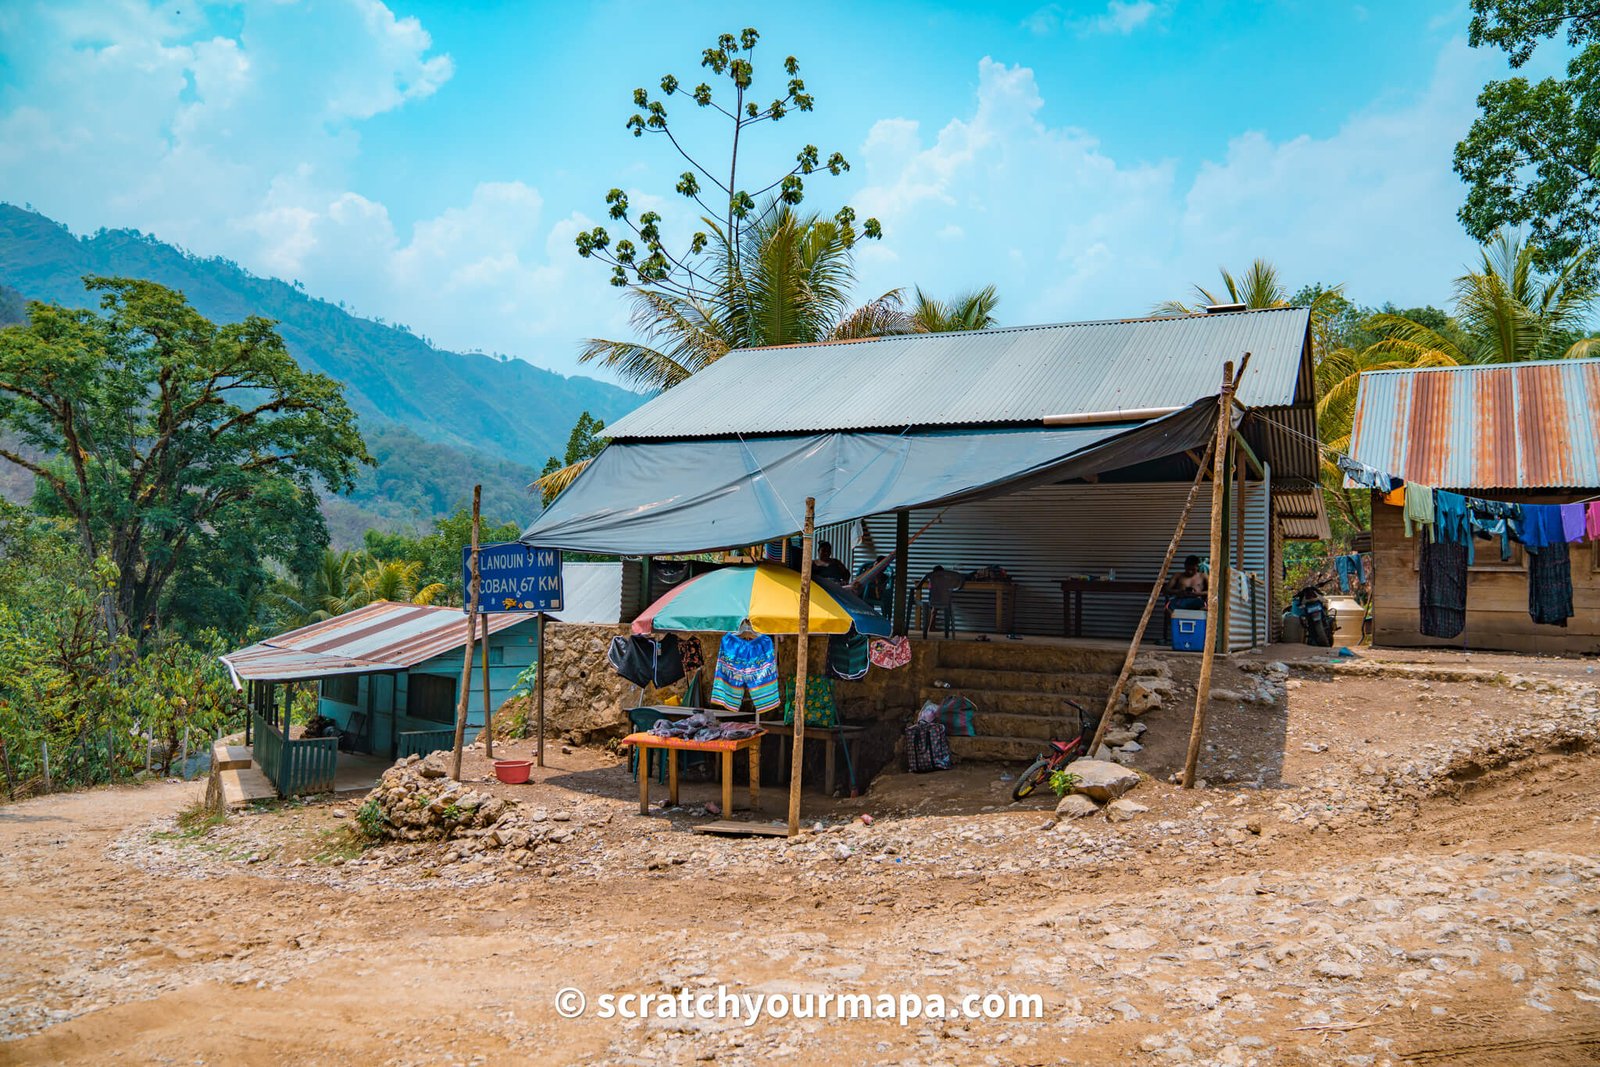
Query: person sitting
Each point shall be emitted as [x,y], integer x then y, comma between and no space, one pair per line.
[827,566]
[1185,591]
[877,589]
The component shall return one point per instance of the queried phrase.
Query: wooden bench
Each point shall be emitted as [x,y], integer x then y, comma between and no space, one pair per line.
[837,737]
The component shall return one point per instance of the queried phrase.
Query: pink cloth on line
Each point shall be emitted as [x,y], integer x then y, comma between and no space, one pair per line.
[1594,520]
[1572,522]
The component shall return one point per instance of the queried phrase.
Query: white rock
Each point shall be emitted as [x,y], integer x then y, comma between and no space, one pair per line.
[1076,806]
[1102,780]
[1122,809]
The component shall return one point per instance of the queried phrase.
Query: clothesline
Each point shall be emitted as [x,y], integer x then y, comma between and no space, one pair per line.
[1341,455]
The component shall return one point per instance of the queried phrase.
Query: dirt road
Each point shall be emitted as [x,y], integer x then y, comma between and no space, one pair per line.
[1438,903]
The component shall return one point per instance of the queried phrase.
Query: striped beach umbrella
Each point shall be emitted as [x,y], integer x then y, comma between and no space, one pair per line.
[768,595]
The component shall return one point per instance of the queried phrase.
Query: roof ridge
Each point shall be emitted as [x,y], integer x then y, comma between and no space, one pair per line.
[1574,361]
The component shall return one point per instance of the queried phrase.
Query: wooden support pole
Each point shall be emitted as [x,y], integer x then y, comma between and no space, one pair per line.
[488,712]
[802,657]
[902,549]
[44,751]
[1149,605]
[471,598]
[1219,459]
[539,674]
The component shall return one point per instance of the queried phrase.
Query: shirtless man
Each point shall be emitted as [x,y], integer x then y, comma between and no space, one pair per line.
[1187,590]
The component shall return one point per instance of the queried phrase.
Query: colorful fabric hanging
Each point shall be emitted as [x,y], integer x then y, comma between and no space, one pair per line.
[1452,521]
[889,652]
[1419,508]
[1594,520]
[1572,522]
[848,657]
[821,710]
[1541,526]
[746,666]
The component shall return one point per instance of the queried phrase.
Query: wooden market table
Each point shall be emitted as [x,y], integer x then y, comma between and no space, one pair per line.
[1005,602]
[1072,590]
[751,745]
[836,737]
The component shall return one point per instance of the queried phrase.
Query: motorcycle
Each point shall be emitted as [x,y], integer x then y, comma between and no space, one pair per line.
[1311,607]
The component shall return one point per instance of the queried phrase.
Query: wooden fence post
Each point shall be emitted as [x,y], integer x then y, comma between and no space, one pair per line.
[471,605]
[44,752]
[539,676]
[488,712]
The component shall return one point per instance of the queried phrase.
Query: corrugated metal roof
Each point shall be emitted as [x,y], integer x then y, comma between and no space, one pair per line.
[1500,426]
[1016,374]
[384,636]
[590,592]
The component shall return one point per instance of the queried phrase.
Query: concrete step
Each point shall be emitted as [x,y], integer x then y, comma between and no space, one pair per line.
[979,680]
[1014,750]
[1040,727]
[241,786]
[1021,702]
[226,757]
[1001,654]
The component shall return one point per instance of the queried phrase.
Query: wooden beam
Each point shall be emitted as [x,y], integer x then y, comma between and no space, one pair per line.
[902,554]
[802,656]
[1149,610]
[488,712]
[1219,460]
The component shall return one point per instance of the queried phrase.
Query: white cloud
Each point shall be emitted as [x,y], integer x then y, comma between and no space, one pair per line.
[244,144]
[1119,17]
[1067,231]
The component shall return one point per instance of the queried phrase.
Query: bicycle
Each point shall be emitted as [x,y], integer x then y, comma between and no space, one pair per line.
[1061,753]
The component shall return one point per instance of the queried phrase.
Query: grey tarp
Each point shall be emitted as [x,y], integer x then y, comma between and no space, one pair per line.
[699,494]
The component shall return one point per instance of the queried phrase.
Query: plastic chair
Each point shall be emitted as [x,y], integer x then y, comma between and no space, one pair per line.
[640,720]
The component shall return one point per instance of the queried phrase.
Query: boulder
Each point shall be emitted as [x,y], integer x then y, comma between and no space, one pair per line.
[1147,694]
[1102,780]
[1076,806]
[1119,735]
[1122,809]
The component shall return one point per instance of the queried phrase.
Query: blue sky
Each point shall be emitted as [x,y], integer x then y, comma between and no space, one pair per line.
[430,162]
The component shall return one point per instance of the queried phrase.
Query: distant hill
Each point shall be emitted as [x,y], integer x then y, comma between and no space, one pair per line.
[436,421]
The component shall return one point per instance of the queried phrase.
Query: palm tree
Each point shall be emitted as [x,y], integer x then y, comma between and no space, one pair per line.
[967,311]
[789,283]
[398,580]
[1259,287]
[344,581]
[1508,312]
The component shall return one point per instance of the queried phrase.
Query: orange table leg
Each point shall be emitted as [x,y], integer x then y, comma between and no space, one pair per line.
[727,782]
[644,779]
[672,774]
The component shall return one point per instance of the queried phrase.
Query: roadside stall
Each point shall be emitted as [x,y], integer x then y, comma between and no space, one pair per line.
[748,606]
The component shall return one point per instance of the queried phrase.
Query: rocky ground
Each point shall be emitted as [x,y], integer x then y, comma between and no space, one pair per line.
[1394,862]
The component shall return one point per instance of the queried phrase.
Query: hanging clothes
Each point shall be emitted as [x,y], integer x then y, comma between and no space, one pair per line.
[1419,508]
[1395,497]
[1497,518]
[645,660]
[1572,522]
[746,666]
[1365,476]
[1442,588]
[1348,567]
[889,652]
[694,656]
[1451,521]
[1550,584]
[1541,526]
[1594,520]
[849,656]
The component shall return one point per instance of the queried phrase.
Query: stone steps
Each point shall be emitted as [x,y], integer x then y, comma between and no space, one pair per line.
[1038,727]
[1068,683]
[1016,750]
[1021,701]
[1005,655]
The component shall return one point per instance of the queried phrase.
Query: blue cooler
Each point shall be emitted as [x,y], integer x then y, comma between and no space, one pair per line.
[1188,630]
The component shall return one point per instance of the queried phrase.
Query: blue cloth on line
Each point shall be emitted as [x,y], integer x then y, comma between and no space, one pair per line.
[1363,475]
[1451,521]
[1497,518]
[1541,526]
[1348,566]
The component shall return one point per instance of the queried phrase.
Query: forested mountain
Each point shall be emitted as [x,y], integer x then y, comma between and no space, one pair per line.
[436,421]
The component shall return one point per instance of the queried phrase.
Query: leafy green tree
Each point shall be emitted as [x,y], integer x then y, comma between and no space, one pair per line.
[1260,286]
[1532,157]
[168,433]
[583,444]
[700,273]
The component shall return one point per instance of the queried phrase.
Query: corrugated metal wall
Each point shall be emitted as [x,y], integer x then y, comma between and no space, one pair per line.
[1047,533]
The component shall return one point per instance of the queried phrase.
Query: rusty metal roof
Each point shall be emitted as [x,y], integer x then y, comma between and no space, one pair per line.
[384,636]
[1018,374]
[1499,426]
